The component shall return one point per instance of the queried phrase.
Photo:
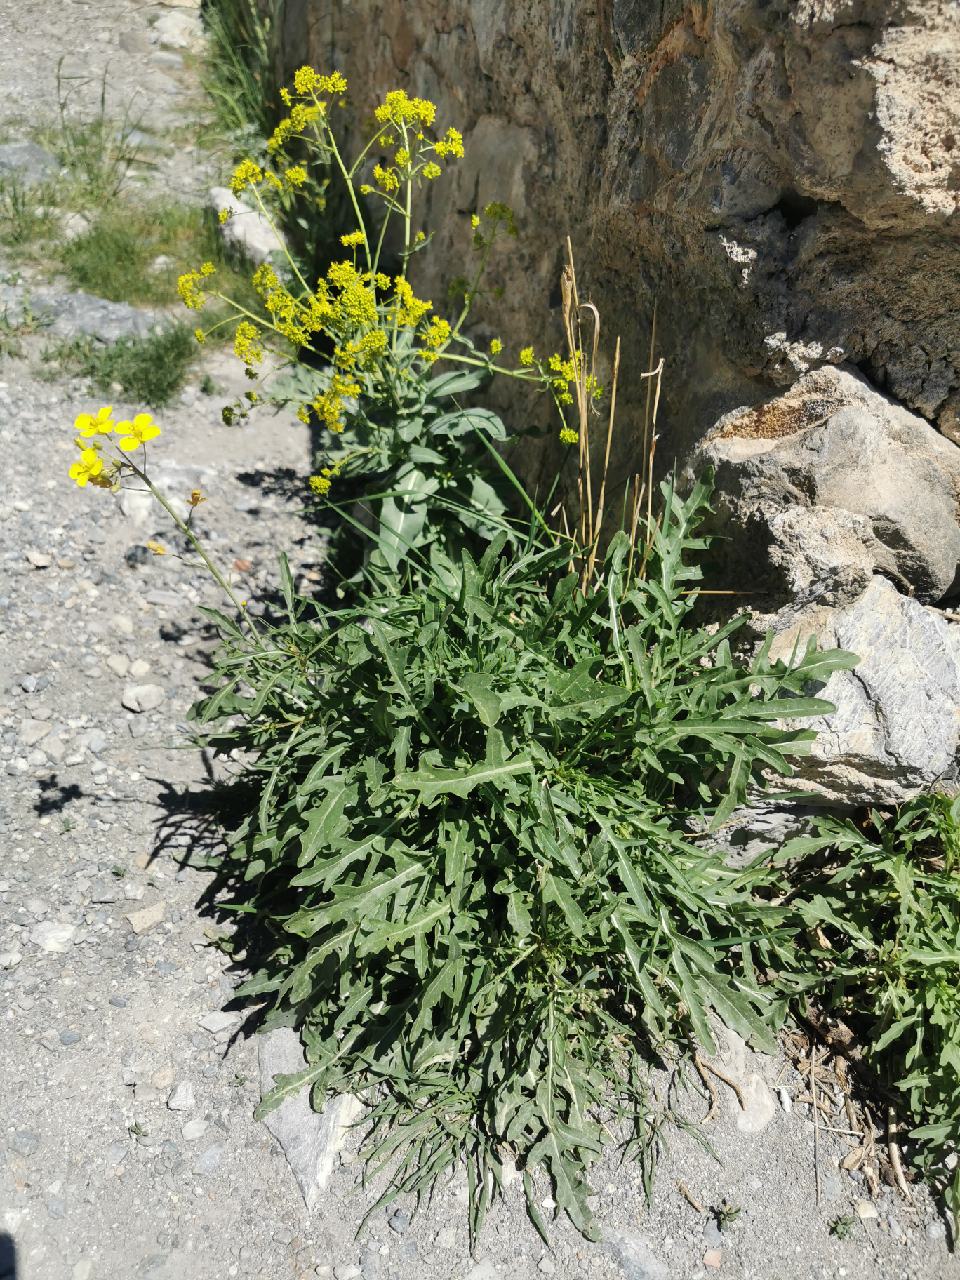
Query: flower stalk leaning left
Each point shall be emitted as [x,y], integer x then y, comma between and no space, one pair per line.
[112,452]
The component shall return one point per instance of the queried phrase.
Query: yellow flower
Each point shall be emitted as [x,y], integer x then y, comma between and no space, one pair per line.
[137,432]
[99,424]
[188,287]
[305,79]
[451,144]
[402,158]
[295,176]
[474,220]
[352,239]
[419,238]
[89,466]
[527,358]
[196,497]
[569,436]
[200,336]
[437,333]
[246,343]
[496,346]
[157,548]
[386,178]
[224,216]
[431,170]
[410,309]
[247,173]
[397,108]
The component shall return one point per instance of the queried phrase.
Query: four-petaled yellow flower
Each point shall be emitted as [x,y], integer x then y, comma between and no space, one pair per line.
[89,465]
[157,548]
[98,424]
[138,432]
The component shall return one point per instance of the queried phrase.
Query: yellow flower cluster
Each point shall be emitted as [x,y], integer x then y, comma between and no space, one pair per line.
[352,239]
[320,484]
[247,174]
[247,343]
[527,358]
[569,436]
[450,145]
[188,286]
[308,81]
[409,310]
[436,334]
[398,109]
[565,372]
[293,125]
[356,303]
[363,353]
[89,467]
[328,406]
[295,176]
[387,179]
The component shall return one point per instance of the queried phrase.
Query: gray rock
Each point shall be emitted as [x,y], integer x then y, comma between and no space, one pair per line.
[218,1022]
[484,1270]
[824,487]
[179,30]
[347,1271]
[69,1037]
[24,1142]
[896,730]
[26,163]
[143,697]
[210,1160]
[193,1130]
[73,315]
[636,1256]
[182,1099]
[310,1140]
[33,731]
[10,959]
[247,233]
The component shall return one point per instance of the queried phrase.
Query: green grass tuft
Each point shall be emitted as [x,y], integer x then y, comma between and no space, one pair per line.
[147,370]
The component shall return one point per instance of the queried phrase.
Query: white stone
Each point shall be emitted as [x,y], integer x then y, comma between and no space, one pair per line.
[219,1021]
[147,917]
[182,1099]
[179,30]
[53,935]
[193,1130]
[143,697]
[247,232]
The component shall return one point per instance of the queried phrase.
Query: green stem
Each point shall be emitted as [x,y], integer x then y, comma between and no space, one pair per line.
[194,541]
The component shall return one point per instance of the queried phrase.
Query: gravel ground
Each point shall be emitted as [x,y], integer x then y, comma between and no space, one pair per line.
[127,1143]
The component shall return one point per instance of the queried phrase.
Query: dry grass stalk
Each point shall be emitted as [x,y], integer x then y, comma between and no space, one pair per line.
[640,488]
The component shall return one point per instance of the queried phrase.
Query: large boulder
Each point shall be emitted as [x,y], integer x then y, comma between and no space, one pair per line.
[896,730]
[780,176]
[827,485]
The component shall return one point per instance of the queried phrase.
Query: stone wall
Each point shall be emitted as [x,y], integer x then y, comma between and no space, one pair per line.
[782,178]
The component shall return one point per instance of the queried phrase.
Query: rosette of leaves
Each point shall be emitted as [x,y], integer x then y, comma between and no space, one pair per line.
[882,905]
[469,870]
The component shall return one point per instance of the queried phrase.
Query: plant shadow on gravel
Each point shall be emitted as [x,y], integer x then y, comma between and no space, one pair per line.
[53,796]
